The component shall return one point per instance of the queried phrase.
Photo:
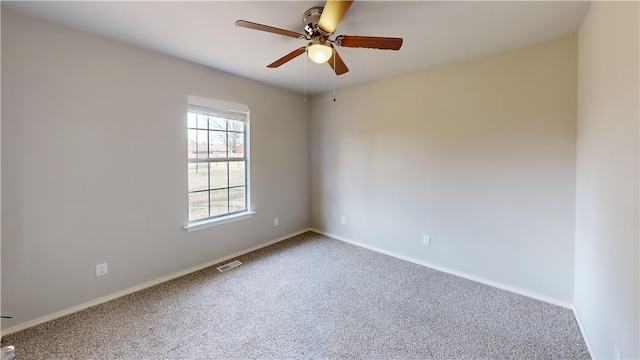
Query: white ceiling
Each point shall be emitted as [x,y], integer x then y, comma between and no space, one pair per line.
[434,32]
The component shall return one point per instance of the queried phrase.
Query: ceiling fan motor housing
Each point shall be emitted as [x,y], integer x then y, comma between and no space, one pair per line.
[310,20]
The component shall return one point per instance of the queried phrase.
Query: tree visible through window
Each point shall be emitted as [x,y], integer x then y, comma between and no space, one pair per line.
[218,161]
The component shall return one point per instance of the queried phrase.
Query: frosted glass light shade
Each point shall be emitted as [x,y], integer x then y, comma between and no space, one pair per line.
[319,53]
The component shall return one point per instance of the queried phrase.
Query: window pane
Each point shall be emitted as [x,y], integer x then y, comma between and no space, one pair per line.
[218,141]
[202,145]
[198,206]
[236,144]
[219,172]
[237,126]
[192,143]
[191,120]
[237,199]
[217,123]
[236,173]
[201,122]
[219,202]
[198,176]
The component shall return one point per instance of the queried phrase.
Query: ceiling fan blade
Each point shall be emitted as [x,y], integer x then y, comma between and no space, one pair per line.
[371,42]
[295,53]
[271,29]
[337,64]
[332,13]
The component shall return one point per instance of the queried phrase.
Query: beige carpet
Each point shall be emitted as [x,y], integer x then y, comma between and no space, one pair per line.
[312,297]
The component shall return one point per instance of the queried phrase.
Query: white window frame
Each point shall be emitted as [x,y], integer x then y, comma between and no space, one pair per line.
[247,213]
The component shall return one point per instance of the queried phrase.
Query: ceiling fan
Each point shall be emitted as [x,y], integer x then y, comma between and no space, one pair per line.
[319,24]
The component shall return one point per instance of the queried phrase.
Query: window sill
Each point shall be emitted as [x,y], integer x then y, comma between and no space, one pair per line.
[218,221]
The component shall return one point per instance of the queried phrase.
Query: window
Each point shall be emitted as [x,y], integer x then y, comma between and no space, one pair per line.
[218,144]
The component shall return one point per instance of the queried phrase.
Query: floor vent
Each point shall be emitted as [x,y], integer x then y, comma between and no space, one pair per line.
[229,266]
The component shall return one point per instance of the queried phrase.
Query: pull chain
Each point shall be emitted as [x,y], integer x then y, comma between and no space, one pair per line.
[336,75]
[305,78]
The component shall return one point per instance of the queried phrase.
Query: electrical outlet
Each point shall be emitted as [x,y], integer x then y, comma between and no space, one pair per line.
[343,220]
[426,240]
[101,269]
[275,221]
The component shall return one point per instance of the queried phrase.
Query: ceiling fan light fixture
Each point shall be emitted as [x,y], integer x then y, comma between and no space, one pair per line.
[319,53]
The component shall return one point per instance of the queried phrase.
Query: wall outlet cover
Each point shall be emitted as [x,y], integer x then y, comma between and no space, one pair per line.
[101,269]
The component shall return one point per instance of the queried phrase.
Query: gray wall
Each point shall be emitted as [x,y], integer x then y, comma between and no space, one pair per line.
[607,238]
[480,155]
[94,166]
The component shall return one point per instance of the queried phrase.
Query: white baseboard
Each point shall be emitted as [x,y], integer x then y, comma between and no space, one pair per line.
[592,352]
[461,274]
[128,291]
